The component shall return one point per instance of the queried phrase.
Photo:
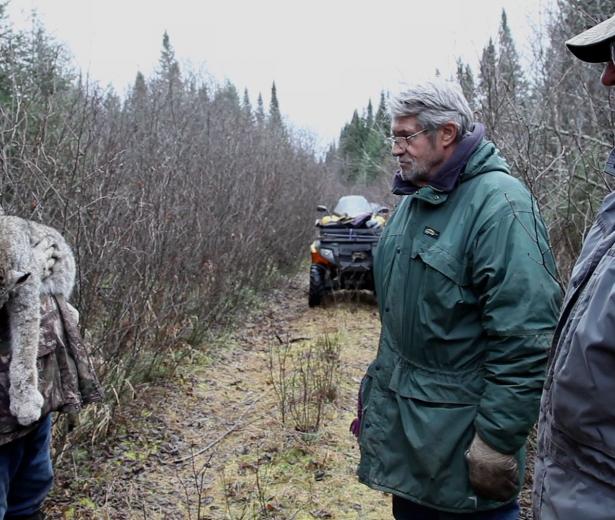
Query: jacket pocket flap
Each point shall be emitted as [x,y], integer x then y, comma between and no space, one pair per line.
[433,386]
[445,264]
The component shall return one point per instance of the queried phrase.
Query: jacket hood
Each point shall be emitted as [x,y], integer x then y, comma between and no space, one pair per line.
[486,158]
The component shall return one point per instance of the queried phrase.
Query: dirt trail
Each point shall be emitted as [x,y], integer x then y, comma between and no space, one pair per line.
[221,419]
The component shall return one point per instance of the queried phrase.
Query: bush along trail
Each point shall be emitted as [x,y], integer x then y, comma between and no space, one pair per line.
[256,426]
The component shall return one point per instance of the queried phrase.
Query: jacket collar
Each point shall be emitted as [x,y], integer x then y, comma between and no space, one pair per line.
[448,176]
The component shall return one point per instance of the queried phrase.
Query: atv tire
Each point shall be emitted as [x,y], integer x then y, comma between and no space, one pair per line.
[317,285]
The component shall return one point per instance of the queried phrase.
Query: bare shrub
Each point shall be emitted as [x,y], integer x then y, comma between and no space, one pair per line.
[179,202]
[304,379]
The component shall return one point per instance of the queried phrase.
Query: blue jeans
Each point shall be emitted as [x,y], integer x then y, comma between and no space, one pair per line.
[25,472]
[405,510]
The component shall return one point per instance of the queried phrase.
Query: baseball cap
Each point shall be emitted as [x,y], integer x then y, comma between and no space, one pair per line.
[593,45]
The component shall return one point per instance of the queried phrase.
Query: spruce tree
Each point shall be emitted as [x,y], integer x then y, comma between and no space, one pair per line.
[137,101]
[246,106]
[369,118]
[227,98]
[168,74]
[275,117]
[139,89]
[465,78]
[383,119]
[488,88]
[260,110]
[509,71]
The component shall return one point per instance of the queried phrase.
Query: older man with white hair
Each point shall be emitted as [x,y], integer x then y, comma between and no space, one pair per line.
[468,303]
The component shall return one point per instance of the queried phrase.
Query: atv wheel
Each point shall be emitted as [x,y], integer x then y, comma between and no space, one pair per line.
[317,285]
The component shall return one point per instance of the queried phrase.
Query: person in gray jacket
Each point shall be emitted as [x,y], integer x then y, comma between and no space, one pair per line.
[575,466]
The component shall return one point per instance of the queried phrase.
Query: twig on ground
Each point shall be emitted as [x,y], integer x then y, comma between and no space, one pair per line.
[238,424]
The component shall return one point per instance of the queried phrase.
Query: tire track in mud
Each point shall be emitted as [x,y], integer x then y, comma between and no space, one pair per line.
[211,445]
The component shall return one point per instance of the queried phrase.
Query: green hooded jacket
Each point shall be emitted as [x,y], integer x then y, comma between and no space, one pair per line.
[468,302]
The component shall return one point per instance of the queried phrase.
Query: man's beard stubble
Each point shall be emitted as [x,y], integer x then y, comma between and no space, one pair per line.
[418,173]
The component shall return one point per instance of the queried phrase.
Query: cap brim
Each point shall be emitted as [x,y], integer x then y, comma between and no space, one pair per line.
[595,53]
[593,45]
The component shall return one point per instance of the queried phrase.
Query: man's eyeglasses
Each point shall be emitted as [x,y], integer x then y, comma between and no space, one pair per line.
[403,142]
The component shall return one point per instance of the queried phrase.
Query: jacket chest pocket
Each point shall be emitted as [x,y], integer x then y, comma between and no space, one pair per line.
[446,302]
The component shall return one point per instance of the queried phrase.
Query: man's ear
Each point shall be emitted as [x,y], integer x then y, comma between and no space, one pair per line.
[448,132]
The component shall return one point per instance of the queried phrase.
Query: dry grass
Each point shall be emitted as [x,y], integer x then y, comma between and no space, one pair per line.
[251,465]
[223,410]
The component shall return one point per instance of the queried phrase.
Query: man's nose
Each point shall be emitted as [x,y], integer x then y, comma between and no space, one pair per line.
[608,75]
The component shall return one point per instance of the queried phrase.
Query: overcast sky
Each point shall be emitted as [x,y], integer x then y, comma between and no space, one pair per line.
[327,57]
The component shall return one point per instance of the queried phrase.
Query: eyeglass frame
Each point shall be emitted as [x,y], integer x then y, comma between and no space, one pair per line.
[396,140]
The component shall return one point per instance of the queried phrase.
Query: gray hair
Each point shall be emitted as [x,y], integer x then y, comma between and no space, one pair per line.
[434,103]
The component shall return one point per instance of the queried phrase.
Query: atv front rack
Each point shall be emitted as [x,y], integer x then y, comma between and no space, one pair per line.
[354,235]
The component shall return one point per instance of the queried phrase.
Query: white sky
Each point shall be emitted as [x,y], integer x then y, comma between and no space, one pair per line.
[327,57]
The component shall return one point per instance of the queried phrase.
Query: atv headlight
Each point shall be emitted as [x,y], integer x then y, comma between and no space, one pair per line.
[328,255]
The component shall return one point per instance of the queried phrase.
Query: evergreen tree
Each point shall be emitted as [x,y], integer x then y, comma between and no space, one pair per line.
[137,101]
[167,62]
[275,117]
[227,98]
[203,94]
[246,106]
[140,88]
[362,151]
[488,88]
[351,148]
[45,62]
[331,155]
[260,110]
[383,119]
[465,78]
[369,119]
[168,71]
[8,59]
[509,71]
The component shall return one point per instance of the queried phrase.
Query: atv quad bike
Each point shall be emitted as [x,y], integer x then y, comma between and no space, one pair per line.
[342,253]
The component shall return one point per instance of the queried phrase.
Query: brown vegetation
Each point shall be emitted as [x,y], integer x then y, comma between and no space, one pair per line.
[180,201]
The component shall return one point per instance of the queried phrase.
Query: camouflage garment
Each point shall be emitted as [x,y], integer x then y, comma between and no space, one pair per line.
[67,379]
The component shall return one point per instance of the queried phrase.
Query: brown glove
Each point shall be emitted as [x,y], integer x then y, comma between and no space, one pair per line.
[493,475]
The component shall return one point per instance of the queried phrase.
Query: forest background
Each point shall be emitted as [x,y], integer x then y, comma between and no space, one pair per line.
[184,199]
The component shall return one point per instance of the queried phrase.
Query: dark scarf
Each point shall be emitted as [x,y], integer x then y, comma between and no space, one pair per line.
[447,177]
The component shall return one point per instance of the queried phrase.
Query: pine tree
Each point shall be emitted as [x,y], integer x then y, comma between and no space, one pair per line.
[227,98]
[275,117]
[362,151]
[139,88]
[509,71]
[331,155]
[168,71]
[383,119]
[137,101]
[465,78]
[369,119]
[488,88]
[246,106]
[9,47]
[260,110]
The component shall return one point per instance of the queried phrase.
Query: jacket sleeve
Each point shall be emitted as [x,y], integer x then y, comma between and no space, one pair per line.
[513,273]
